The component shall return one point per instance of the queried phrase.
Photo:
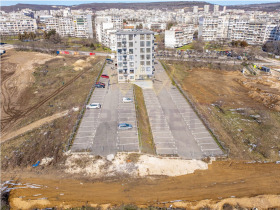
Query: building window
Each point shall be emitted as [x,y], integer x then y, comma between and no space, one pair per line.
[131,71]
[142,43]
[120,51]
[131,57]
[131,64]
[142,50]
[148,43]
[130,44]
[119,44]
[148,63]
[142,36]
[148,36]
[148,69]
[131,77]
[120,64]
[130,51]
[142,63]
[119,58]
[120,71]
[148,57]
[120,77]
[130,37]
[142,57]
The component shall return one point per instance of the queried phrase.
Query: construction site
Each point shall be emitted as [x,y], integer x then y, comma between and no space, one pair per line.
[43,95]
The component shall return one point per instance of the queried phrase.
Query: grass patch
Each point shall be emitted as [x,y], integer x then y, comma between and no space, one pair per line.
[144,128]
[186,47]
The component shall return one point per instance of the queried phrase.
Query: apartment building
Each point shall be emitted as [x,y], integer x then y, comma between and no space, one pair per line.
[75,25]
[179,35]
[105,26]
[135,54]
[155,26]
[14,26]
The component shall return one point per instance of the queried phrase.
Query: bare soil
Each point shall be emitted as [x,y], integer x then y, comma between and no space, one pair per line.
[228,180]
[31,117]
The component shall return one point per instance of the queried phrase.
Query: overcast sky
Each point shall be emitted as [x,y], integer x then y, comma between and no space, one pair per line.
[74,2]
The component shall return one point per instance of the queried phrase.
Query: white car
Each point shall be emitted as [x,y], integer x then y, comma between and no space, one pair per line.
[127,100]
[93,106]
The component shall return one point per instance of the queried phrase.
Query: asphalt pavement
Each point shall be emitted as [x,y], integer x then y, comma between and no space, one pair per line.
[181,131]
[98,132]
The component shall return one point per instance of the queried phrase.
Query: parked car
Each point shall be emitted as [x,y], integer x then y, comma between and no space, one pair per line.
[105,76]
[93,106]
[124,126]
[127,100]
[100,85]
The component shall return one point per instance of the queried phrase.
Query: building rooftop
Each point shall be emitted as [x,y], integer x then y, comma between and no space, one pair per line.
[134,31]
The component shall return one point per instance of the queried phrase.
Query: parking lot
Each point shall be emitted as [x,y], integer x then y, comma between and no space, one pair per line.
[127,140]
[98,132]
[178,125]
[163,138]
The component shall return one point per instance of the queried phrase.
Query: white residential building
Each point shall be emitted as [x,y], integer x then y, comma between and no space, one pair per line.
[105,26]
[135,54]
[155,26]
[75,25]
[216,8]
[19,24]
[195,9]
[179,35]
[206,9]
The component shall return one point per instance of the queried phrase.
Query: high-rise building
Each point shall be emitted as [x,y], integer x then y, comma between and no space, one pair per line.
[224,9]
[135,54]
[206,8]
[195,9]
[216,8]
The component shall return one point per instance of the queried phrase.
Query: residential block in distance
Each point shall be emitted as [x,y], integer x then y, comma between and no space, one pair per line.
[135,54]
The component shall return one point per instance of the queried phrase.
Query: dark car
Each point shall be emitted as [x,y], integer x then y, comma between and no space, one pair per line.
[100,85]
[105,76]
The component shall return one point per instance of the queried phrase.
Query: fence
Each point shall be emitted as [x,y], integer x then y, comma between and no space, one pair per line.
[81,114]
[204,121]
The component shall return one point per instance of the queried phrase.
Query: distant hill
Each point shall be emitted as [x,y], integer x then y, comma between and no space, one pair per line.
[102,6]
[269,7]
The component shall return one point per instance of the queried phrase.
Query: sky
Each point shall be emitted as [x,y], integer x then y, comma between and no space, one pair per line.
[75,2]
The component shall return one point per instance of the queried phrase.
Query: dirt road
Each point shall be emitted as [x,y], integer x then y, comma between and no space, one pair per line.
[223,179]
[32,126]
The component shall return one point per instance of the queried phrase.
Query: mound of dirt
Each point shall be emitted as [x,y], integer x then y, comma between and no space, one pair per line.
[145,165]
[82,64]
[264,90]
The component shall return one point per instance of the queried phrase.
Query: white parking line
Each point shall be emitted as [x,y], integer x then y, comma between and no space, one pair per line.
[209,149]
[199,144]
[204,138]
[81,137]
[128,144]
[199,133]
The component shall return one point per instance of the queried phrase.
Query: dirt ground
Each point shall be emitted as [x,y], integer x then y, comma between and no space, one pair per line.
[39,112]
[229,180]
[243,111]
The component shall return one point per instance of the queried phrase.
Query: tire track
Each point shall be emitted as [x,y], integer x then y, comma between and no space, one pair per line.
[15,115]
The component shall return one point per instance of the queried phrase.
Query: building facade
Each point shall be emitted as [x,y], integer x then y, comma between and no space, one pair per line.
[135,54]
[74,26]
